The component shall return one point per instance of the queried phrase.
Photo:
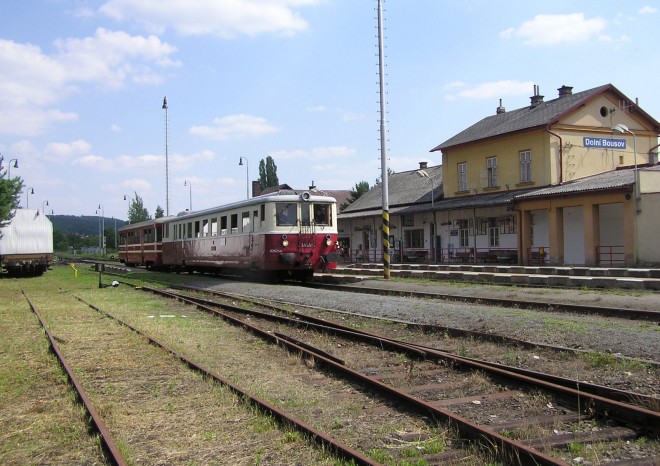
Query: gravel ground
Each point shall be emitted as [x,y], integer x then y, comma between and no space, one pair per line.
[637,339]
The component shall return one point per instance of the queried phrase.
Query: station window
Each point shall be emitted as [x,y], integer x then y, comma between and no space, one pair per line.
[413,238]
[461,168]
[525,166]
[493,236]
[491,164]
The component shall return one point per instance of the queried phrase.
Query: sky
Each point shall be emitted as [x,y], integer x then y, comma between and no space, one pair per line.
[82,84]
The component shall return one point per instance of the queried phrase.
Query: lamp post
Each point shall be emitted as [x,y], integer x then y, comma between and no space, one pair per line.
[43,206]
[167,163]
[189,184]
[424,174]
[9,167]
[620,128]
[27,197]
[129,208]
[101,238]
[247,176]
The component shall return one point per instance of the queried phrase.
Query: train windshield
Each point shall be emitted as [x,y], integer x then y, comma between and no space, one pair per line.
[322,214]
[287,213]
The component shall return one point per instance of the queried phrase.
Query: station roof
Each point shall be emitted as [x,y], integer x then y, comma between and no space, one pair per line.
[405,189]
[536,116]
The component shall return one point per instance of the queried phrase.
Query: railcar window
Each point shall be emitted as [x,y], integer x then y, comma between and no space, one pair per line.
[263,212]
[255,220]
[245,221]
[159,234]
[287,214]
[197,230]
[189,235]
[234,223]
[205,227]
[304,215]
[223,225]
[322,214]
[214,226]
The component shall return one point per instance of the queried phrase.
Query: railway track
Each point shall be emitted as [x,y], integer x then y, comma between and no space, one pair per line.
[81,372]
[551,415]
[636,314]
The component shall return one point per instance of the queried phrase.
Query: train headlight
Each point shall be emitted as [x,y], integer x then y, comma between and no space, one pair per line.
[285,241]
[328,240]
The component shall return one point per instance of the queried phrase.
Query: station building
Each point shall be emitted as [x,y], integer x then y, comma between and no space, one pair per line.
[550,183]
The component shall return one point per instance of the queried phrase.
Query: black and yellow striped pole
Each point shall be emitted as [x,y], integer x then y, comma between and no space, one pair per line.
[383,146]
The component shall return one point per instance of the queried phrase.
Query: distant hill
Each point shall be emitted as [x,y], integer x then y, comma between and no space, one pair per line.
[85,225]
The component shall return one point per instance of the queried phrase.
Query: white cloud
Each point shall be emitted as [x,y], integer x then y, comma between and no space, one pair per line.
[488,90]
[648,10]
[135,185]
[63,150]
[32,81]
[317,153]
[556,29]
[223,18]
[352,116]
[235,127]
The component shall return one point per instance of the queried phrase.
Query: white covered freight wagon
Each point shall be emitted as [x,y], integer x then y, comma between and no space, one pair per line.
[26,243]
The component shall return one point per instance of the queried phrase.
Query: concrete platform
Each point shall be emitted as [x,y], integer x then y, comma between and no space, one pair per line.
[564,277]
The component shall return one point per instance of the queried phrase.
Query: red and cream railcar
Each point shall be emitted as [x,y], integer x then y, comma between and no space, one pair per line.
[142,243]
[285,233]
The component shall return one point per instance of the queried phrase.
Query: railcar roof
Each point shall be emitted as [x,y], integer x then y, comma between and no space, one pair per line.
[282,196]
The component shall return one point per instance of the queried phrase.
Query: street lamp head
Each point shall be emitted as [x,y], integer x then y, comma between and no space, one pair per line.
[125,198]
[621,128]
[240,161]
[423,174]
[30,191]
[185,183]
[15,163]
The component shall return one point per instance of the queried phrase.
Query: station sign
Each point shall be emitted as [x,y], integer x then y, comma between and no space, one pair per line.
[604,143]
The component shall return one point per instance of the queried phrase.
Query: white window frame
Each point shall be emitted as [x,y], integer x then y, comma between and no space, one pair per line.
[491,163]
[461,168]
[525,166]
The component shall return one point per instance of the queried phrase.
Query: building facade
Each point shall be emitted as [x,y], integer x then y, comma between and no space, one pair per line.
[568,181]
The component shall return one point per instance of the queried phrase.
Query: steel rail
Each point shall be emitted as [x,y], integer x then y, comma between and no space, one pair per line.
[425,351]
[601,400]
[506,449]
[108,443]
[314,434]
[451,331]
[635,314]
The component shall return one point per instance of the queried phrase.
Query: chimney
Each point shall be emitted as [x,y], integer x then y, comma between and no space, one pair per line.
[536,98]
[565,90]
[500,109]
[256,188]
[423,165]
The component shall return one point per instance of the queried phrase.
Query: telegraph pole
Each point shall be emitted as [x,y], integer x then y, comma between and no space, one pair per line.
[383,146]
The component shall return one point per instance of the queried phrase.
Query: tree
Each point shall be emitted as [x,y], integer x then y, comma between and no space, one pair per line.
[268,173]
[159,212]
[360,188]
[389,173]
[136,211]
[10,191]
